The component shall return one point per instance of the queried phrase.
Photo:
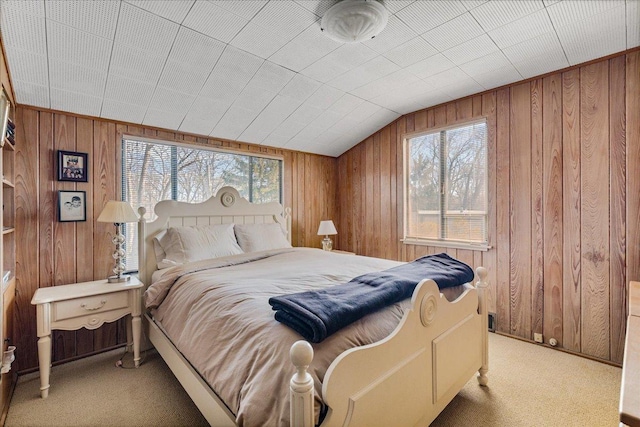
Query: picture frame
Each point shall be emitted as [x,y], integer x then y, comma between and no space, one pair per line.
[72,206]
[73,166]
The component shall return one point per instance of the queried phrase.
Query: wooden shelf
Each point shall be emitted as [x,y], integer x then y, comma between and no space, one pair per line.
[8,144]
[8,230]
[7,184]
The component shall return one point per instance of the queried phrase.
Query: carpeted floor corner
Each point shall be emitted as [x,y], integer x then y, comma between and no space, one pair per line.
[529,385]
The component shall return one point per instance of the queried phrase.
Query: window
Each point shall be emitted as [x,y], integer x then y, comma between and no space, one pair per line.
[446,185]
[153,171]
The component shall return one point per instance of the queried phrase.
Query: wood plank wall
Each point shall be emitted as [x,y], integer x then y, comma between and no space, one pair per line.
[54,253]
[564,201]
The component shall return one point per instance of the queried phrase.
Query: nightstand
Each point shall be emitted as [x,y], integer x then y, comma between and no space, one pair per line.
[85,305]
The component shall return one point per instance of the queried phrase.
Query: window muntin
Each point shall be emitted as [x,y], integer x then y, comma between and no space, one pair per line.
[446,185]
[153,171]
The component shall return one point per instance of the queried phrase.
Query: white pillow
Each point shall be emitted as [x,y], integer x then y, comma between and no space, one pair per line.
[186,244]
[261,237]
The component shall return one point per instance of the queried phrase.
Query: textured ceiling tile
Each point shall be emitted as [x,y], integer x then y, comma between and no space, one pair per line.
[77,103]
[136,64]
[30,94]
[193,48]
[259,41]
[272,77]
[491,62]
[544,44]
[633,23]
[305,49]
[548,3]
[174,11]
[71,45]
[28,67]
[430,66]
[446,78]
[193,125]
[183,77]
[162,118]
[452,33]
[238,65]
[396,6]
[523,29]
[115,110]
[365,73]
[387,84]
[395,33]
[435,97]
[204,109]
[129,91]
[234,122]
[411,52]
[498,77]
[317,7]
[305,114]
[244,8]
[422,16]
[341,60]
[463,87]
[254,98]
[23,31]
[171,100]
[209,19]
[75,78]
[571,11]
[288,19]
[473,49]
[29,7]
[222,89]
[289,128]
[594,37]
[275,140]
[300,87]
[145,31]
[346,104]
[363,111]
[543,64]
[471,4]
[494,14]
[98,17]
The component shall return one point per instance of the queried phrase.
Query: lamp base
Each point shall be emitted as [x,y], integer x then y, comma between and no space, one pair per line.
[116,279]
[327,244]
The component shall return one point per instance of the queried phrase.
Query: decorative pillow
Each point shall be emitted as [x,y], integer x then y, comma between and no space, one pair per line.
[186,244]
[261,237]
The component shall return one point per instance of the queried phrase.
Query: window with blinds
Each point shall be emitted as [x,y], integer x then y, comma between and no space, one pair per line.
[153,171]
[446,185]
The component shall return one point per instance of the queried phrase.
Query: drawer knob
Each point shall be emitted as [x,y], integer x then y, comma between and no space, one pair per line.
[102,303]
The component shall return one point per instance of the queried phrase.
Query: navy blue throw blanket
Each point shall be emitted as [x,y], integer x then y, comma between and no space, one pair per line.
[317,314]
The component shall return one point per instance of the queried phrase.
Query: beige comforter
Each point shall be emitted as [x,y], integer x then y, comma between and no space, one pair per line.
[216,313]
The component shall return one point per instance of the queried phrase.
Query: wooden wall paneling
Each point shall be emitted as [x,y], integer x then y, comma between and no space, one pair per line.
[451,113]
[368,219]
[293,203]
[287,176]
[84,229]
[104,189]
[477,105]
[464,109]
[64,236]
[594,206]
[552,206]
[348,205]
[617,208]
[363,226]
[398,213]
[375,197]
[537,245]
[310,198]
[394,244]
[27,182]
[302,232]
[489,257]
[356,199]
[385,194]
[571,268]
[420,122]
[503,252]
[633,164]
[341,203]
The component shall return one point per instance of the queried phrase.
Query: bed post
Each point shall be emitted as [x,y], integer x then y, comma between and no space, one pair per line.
[301,390]
[142,256]
[481,286]
[287,218]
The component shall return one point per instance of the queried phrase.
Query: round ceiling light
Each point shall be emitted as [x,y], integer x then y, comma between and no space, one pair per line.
[352,21]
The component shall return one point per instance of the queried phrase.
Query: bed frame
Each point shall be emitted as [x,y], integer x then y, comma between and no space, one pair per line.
[406,379]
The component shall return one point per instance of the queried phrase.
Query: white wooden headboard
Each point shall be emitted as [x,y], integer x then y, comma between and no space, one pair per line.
[226,207]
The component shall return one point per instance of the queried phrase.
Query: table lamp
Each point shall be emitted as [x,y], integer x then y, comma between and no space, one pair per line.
[118,213]
[327,228]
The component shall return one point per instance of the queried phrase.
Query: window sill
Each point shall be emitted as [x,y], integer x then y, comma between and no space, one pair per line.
[447,244]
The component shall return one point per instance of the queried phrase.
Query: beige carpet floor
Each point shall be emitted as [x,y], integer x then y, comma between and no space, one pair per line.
[529,385]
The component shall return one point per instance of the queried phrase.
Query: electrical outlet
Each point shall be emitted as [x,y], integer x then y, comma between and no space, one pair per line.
[537,337]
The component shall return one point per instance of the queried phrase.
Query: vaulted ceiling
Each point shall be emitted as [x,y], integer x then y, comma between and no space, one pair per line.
[261,71]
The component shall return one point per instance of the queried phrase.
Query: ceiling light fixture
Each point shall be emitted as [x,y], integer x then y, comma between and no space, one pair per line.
[352,21]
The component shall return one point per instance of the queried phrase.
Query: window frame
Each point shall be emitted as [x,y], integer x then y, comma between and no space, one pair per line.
[441,242]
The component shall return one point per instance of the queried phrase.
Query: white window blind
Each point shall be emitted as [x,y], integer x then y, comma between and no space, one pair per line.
[153,171]
[446,185]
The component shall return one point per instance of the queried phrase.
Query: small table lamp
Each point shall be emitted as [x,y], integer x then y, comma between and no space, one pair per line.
[118,213]
[327,228]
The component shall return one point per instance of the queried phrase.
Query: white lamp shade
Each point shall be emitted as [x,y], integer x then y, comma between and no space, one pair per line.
[352,21]
[327,228]
[117,212]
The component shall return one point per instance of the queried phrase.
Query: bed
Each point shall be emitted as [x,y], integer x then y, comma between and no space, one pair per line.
[399,366]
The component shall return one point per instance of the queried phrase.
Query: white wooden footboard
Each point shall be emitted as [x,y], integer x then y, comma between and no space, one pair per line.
[409,377]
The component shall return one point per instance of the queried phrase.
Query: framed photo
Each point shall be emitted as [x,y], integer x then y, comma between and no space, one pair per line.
[72,206]
[73,166]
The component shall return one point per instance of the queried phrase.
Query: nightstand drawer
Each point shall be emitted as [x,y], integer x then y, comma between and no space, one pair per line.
[77,307]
